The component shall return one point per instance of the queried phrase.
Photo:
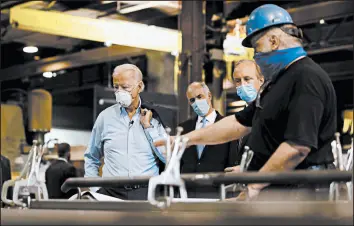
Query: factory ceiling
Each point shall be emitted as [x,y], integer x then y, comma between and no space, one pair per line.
[328,34]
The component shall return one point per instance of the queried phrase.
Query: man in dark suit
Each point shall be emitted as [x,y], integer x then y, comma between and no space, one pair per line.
[5,175]
[58,172]
[210,158]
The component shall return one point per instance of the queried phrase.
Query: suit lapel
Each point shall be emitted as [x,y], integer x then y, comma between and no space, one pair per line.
[189,128]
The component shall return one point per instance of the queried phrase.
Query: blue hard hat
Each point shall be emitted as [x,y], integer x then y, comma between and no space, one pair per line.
[264,17]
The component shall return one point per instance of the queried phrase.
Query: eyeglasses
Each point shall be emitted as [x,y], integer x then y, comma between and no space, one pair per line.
[258,98]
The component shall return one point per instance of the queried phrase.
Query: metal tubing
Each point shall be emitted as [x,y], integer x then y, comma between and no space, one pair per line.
[208,179]
[143,206]
[329,49]
[241,214]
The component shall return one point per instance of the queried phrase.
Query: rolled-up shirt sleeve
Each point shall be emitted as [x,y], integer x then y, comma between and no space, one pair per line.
[93,152]
[245,116]
[154,134]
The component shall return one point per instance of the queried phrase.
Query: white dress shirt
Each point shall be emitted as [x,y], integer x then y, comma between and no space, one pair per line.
[210,120]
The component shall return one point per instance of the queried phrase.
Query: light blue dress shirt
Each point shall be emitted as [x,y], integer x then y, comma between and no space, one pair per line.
[126,146]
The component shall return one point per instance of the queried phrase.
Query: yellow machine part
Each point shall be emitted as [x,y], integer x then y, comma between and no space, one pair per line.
[40,110]
[348,121]
[12,131]
[27,16]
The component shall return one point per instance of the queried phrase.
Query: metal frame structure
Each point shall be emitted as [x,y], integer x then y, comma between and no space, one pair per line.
[27,17]
[187,214]
[75,60]
[327,10]
[309,211]
[192,23]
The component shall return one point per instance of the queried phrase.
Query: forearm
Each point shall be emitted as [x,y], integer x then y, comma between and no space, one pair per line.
[91,170]
[91,166]
[285,158]
[223,131]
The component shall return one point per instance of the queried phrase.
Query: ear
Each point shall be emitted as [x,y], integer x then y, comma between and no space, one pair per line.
[141,87]
[274,42]
[262,80]
[210,96]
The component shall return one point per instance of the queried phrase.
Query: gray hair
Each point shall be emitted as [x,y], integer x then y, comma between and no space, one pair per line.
[128,67]
[202,84]
[286,40]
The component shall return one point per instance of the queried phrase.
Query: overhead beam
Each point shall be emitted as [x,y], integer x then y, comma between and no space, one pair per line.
[339,69]
[330,49]
[333,33]
[79,59]
[119,32]
[313,13]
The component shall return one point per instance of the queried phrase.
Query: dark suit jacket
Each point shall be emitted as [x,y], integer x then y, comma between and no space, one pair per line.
[214,158]
[56,175]
[5,175]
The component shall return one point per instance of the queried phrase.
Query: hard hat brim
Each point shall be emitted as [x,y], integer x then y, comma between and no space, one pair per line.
[247,41]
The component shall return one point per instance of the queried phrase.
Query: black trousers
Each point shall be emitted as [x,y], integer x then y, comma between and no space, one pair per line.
[125,194]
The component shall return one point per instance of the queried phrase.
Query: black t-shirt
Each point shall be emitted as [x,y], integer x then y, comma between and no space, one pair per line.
[299,107]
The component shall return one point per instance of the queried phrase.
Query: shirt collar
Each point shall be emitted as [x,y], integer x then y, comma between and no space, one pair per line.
[124,112]
[62,159]
[210,118]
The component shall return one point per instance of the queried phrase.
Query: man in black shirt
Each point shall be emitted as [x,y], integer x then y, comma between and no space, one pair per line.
[293,118]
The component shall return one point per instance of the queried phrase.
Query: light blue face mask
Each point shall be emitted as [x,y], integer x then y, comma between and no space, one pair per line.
[247,92]
[272,63]
[201,107]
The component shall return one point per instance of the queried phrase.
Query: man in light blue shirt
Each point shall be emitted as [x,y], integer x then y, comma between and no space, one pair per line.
[124,135]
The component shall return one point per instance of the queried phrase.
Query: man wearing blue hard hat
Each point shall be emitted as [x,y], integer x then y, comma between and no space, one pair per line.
[293,118]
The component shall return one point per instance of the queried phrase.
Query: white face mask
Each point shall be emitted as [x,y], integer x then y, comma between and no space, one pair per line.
[123,98]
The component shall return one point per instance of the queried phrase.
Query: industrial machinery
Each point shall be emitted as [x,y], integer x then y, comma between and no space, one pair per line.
[188,211]
[22,122]
[28,182]
[39,121]
[342,164]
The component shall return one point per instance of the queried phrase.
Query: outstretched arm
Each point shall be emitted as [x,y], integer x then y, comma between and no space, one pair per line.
[223,131]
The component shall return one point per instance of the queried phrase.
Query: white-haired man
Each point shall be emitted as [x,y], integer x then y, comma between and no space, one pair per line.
[124,135]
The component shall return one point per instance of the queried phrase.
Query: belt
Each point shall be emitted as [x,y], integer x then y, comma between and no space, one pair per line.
[133,187]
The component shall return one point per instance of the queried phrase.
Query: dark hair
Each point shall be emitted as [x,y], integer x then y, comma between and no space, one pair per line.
[63,148]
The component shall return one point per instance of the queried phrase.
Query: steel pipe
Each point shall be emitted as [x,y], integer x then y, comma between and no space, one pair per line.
[239,214]
[208,179]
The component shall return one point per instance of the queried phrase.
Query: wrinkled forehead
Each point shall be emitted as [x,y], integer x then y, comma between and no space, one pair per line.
[245,69]
[195,90]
